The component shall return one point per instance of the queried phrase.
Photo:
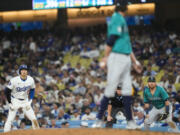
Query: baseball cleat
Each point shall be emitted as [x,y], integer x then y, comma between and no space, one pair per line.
[132,125]
[98,124]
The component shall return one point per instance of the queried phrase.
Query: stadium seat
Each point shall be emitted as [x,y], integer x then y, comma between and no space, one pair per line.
[155,68]
[40,70]
[146,62]
[177,86]
[121,126]
[74,122]
[159,75]
[58,122]
[85,62]
[145,78]
[1,68]
[61,86]
[74,60]
[67,58]
[74,126]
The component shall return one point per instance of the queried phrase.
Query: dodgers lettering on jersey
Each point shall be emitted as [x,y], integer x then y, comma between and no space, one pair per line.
[20,88]
[157,99]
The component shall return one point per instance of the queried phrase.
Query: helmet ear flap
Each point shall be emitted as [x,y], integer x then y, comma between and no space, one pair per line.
[19,71]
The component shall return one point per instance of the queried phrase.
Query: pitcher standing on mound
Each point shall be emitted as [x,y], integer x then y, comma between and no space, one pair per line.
[118,57]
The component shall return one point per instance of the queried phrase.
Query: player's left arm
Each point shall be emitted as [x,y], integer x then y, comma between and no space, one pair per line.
[136,64]
[31,94]
[165,97]
[32,91]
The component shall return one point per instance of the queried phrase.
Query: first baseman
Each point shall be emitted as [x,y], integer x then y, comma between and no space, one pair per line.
[161,108]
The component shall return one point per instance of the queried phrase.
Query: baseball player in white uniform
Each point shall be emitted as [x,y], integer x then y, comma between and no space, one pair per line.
[19,93]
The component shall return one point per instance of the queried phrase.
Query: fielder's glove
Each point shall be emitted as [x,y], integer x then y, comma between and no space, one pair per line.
[161,117]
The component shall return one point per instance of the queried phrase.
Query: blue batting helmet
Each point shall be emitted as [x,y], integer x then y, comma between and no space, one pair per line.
[22,67]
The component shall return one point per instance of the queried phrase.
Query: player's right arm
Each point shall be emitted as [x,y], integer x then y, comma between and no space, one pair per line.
[109,118]
[136,63]
[7,91]
[146,102]
[8,94]
[114,32]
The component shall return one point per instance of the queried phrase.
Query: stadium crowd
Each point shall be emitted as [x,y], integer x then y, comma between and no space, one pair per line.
[69,81]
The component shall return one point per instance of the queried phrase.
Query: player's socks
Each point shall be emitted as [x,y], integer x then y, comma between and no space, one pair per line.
[127,101]
[103,107]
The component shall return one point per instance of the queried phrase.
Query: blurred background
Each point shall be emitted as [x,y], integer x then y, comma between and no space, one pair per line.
[62,42]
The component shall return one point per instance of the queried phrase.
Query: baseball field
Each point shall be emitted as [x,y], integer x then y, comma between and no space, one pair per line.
[84,131]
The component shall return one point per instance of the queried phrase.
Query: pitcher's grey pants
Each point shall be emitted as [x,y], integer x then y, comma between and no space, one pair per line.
[119,69]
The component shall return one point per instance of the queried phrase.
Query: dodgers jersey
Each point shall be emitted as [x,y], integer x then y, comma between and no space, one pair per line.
[118,26]
[157,99]
[20,88]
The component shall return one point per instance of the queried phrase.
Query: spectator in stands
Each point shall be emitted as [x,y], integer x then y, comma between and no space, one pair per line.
[53,124]
[98,97]
[170,91]
[88,115]
[78,102]
[178,77]
[43,122]
[46,112]
[138,112]
[55,110]
[149,71]
[80,89]
[17,121]
[75,115]
[22,125]
[62,115]
[164,82]
[178,97]
[86,104]
[161,61]
[65,124]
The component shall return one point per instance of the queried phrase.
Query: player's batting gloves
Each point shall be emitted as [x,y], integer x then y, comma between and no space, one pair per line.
[11,106]
[161,117]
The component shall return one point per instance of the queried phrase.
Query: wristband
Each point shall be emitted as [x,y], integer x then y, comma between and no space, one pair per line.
[147,111]
[167,109]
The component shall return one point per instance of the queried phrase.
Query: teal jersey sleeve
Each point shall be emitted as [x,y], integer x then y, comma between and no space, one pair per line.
[164,94]
[145,97]
[118,26]
[115,26]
